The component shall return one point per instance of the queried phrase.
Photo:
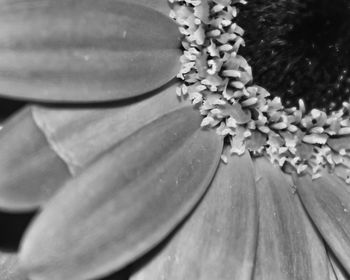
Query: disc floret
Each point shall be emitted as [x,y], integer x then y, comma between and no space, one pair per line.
[219,82]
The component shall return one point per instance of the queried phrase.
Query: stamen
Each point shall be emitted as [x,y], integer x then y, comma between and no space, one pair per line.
[219,82]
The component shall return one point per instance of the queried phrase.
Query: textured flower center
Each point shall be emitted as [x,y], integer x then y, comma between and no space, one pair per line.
[218,80]
[300,49]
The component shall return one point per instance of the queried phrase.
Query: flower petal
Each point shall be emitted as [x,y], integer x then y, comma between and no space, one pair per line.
[288,246]
[31,171]
[219,239]
[79,136]
[42,147]
[84,51]
[161,6]
[9,269]
[124,203]
[327,200]
[337,269]
[332,275]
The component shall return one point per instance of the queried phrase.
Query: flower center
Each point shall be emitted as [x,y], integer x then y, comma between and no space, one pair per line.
[218,81]
[300,49]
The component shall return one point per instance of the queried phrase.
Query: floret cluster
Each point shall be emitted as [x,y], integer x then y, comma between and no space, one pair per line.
[219,82]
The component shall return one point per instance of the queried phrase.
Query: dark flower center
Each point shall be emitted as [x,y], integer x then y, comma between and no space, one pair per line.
[300,49]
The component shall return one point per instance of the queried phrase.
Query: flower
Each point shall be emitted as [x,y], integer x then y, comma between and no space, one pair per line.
[143,186]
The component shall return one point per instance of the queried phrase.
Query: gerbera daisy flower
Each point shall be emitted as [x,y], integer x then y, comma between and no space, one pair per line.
[147,150]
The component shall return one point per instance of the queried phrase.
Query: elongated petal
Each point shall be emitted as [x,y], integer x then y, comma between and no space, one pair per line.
[79,136]
[219,239]
[327,200]
[84,51]
[126,202]
[9,269]
[42,147]
[288,246]
[161,6]
[332,275]
[30,170]
[337,269]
